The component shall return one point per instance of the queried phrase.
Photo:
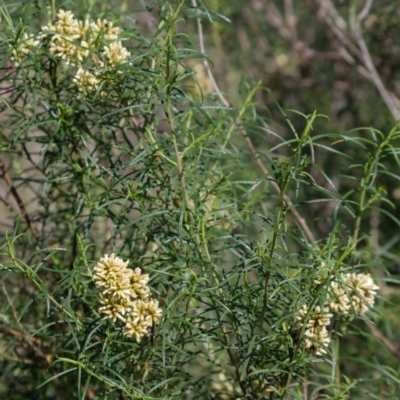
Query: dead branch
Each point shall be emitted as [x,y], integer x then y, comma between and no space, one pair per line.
[375,332]
[13,191]
[352,41]
[22,335]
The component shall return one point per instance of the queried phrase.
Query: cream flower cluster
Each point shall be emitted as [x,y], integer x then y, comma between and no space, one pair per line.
[360,296]
[86,82]
[316,333]
[115,54]
[126,296]
[69,38]
[76,42]
[24,48]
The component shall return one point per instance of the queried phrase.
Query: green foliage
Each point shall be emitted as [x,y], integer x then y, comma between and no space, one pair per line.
[153,167]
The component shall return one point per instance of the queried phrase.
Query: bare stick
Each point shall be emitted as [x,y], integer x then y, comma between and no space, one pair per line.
[37,350]
[387,98]
[364,12]
[208,69]
[17,197]
[340,29]
[290,18]
[286,27]
[375,332]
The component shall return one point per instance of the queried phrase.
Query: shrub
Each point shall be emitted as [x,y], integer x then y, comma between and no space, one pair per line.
[144,256]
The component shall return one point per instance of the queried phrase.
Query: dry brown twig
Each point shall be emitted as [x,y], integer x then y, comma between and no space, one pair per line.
[378,335]
[286,28]
[22,335]
[206,65]
[390,99]
[14,193]
[300,220]
[350,44]
[346,36]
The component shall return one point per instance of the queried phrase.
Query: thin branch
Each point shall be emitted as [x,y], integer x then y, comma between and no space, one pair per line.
[37,350]
[387,98]
[364,12]
[375,332]
[337,25]
[340,29]
[206,65]
[350,59]
[7,178]
[374,224]
[290,18]
[286,27]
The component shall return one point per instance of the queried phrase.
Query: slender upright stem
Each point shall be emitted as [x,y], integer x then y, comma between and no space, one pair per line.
[366,180]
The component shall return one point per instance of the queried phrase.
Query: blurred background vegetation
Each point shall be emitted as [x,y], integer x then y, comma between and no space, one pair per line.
[338,57]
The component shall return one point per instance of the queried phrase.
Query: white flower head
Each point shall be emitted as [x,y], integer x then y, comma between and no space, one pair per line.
[135,327]
[116,54]
[316,340]
[338,299]
[68,40]
[362,289]
[138,282]
[106,29]
[66,22]
[125,296]
[316,334]
[146,311]
[25,48]
[154,310]
[112,276]
[317,318]
[77,42]
[86,82]
[357,293]
[114,308]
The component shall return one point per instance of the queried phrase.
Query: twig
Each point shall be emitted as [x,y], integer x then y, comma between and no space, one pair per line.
[286,27]
[350,59]
[17,197]
[302,222]
[38,351]
[290,19]
[340,29]
[374,224]
[7,204]
[375,332]
[364,12]
[387,98]
[208,69]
